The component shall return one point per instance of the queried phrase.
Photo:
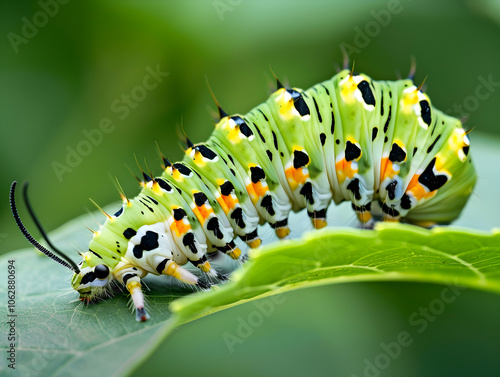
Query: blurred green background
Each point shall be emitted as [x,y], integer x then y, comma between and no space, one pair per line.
[60,79]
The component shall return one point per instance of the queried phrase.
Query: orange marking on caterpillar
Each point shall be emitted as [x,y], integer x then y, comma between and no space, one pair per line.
[252,193]
[418,190]
[231,201]
[223,204]
[364,216]
[205,267]
[179,227]
[256,191]
[386,169]
[202,212]
[227,202]
[344,170]
[296,177]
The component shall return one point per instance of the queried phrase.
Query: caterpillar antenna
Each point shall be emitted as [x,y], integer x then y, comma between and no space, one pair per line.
[65,261]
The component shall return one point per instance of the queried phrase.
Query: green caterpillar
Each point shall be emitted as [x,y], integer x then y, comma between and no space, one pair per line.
[378,144]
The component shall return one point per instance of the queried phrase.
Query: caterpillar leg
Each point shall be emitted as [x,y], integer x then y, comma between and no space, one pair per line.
[318,218]
[130,277]
[281,228]
[231,249]
[133,285]
[170,268]
[252,239]
[363,212]
[204,265]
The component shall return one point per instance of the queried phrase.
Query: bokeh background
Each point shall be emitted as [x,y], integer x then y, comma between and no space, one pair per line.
[63,73]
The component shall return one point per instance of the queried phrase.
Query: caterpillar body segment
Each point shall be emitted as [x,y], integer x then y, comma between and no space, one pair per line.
[378,144]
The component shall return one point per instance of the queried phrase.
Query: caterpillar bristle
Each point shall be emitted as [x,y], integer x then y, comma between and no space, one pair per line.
[93,232]
[147,178]
[123,196]
[413,69]
[279,85]
[133,175]
[150,173]
[222,113]
[345,58]
[163,167]
[421,85]
[100,209]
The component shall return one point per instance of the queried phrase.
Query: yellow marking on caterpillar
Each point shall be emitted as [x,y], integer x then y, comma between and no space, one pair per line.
[173,270]
[282,232]
[285,103]
[235,253]
[364,216]
[319,223]
[157,189]
[391,219]
[176,174]
[255,243]
[198,158]
[231,128]
[349,89]
[409,98]
[205,267]
[457,141]
[133,285]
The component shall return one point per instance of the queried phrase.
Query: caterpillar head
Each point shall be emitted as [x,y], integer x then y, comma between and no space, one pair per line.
[92,278]
[92,282]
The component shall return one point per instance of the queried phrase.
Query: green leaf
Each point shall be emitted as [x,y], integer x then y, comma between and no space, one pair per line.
[59,337]
[441,255]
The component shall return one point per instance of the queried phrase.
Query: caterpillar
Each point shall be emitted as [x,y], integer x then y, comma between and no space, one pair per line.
[379,144]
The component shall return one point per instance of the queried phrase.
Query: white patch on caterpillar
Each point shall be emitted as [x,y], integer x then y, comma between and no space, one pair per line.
[166,247]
